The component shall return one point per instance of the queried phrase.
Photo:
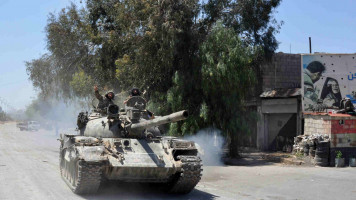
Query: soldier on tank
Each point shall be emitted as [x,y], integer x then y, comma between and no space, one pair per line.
[135,92]
[104,101]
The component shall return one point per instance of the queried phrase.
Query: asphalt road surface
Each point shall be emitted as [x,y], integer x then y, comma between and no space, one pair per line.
[29,170]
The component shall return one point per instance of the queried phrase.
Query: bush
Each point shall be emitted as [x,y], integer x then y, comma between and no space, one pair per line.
[338,154]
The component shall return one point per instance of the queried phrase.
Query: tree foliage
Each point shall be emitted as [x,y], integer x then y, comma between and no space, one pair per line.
[4,116]
[197,55]
[70,50]
[227,76]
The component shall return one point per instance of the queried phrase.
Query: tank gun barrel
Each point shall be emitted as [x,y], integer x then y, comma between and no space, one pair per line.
[174,117]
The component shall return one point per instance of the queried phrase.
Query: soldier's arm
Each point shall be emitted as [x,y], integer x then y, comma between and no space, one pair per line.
[127,99]
[97,95]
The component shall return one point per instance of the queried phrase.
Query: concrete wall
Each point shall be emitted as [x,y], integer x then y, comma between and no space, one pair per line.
[341,130]
[285,105]
[316,124]
[283,71]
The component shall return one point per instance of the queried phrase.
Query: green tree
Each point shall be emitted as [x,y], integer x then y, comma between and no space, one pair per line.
[149,40]
[227,75]
[4,116]
[173,49]
[42,73]
[70,50]
[82,85]
[253,20]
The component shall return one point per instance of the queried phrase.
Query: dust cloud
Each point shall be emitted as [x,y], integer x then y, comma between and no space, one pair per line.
[210,146]
[63,117]
[54,116]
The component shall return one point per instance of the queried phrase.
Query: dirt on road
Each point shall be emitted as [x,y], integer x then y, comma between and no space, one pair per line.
[29,170]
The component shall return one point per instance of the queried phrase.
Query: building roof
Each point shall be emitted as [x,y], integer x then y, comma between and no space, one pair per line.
[281,93]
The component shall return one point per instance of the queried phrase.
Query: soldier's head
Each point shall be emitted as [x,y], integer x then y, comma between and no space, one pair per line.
[316,69]
[110,95]
[135,92]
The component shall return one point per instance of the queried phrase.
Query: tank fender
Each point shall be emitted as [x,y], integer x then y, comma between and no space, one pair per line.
[91,153]
[178,144]
[183,147]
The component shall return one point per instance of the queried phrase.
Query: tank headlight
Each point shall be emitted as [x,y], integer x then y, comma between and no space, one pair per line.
[126,143]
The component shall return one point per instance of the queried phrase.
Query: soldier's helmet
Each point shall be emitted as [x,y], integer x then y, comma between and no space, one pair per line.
[135,92]
[112,94]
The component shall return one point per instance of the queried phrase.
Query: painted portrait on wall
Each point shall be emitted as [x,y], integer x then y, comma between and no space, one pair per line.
[327,79]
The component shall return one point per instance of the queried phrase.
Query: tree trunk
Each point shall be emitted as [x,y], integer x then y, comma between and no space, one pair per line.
[233,147]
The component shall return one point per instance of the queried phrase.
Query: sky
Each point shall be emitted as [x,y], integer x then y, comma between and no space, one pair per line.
[331,26]
[22,38]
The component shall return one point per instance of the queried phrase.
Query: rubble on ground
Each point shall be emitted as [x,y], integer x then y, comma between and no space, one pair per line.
[302,141]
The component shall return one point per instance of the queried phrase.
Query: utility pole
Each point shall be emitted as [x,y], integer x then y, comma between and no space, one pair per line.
[310,46]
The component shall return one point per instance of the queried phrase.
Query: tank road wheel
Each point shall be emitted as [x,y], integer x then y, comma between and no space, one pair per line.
[82,177]
[185,181]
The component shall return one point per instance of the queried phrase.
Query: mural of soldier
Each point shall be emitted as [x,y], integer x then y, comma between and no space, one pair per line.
[311,74]
[327,79]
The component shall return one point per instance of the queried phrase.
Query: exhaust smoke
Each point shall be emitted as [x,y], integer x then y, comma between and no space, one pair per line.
[210,146]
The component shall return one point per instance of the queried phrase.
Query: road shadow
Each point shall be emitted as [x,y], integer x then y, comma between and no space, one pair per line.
[257,159]
[121,190]
[251,162]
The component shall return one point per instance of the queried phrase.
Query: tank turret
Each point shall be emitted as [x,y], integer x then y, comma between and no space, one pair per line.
[133,121]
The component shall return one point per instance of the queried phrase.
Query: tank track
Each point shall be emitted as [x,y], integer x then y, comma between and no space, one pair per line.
[189,177]
[89,178]
[82,177]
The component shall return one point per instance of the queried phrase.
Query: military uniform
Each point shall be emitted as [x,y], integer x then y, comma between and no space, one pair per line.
[104,101]
[309,90]
[310,94]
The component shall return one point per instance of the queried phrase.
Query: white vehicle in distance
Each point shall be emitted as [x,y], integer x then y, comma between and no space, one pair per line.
[28,126]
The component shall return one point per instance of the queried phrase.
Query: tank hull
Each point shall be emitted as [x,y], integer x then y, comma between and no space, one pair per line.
[139,160]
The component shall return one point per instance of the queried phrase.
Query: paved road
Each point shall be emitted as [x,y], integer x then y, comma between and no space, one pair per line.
[29,170]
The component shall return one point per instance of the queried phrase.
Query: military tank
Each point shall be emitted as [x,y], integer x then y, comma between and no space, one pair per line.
[127,145]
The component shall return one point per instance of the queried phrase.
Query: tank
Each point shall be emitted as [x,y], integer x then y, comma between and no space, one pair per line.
[127,145]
